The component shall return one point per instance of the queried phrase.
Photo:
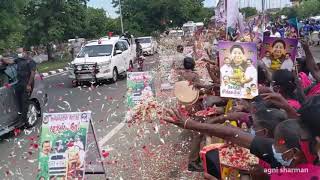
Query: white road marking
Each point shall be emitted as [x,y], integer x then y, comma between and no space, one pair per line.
[114,131]
[55,75]
[53,72]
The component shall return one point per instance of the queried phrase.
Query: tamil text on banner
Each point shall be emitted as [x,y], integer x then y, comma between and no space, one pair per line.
[279,53]
[63,144]
[238,70]
[140,87]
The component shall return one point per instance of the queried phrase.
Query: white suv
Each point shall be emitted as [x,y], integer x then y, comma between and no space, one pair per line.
[104,59]
[148,44]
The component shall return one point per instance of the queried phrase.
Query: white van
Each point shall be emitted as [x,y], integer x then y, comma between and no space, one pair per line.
[104,59]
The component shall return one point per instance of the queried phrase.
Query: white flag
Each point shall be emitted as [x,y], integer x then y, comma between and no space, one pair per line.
[232,13]
[220,12]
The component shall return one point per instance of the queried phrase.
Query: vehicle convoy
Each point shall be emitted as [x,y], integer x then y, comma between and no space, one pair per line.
[9,105]
[149,45]
[103,59]
[191,27]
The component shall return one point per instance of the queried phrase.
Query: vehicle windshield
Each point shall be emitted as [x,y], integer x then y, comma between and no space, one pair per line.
[96,51]
[144,40]
[188,29]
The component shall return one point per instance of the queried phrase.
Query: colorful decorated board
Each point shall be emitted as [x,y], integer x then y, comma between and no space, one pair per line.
[238,70]
[63,144]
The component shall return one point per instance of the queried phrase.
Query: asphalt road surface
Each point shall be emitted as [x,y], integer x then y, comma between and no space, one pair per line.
[140,151]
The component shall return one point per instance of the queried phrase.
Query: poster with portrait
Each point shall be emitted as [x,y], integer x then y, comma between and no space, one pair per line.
[238,70]
[63,143]
[279,53]
[140,87]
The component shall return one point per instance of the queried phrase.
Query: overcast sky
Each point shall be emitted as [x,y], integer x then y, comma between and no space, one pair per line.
[106,4]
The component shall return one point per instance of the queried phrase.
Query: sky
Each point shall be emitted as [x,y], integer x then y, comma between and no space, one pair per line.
[106,4]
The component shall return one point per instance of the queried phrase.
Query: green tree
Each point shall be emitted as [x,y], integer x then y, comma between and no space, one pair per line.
[249,11]
[54,20]
[142,17]
[11,24]
[308,8]
[98,24]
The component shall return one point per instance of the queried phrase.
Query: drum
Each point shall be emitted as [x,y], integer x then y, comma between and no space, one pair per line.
[185,93]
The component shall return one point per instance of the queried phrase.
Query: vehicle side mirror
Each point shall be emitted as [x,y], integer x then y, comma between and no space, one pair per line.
[118,52]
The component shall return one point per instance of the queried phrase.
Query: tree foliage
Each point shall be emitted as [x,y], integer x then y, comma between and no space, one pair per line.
[249,11]
[11,23]
[25,23]
[142,17]
[306,9]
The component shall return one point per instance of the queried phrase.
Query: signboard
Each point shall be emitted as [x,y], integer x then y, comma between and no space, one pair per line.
[63,145]
[238,70]
[279,53]
[140,87]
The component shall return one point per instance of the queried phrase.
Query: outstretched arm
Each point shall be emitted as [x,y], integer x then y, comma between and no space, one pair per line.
[228,116]
[7,61]
[311,64]
[228,133]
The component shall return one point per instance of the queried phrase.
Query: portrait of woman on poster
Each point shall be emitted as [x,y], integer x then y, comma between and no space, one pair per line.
[278,54]
[239,65]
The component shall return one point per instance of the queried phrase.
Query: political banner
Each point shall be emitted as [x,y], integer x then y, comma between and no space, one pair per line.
[63,143]
[279,53]
[238,70]
[140,87]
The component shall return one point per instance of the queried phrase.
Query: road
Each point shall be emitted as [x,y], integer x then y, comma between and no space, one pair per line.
[144,151]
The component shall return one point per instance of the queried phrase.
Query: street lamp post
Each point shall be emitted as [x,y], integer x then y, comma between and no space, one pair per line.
[121,17]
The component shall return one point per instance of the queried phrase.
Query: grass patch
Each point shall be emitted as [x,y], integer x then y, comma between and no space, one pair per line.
[53,65]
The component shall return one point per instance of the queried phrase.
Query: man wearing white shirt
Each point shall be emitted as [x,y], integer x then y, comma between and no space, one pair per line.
[251,73]
[78,143]
[226,69]
[275,33]
[266,60]
[287,63]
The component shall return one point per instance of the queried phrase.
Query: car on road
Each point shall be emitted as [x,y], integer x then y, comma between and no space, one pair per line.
[103,59]
[149,45]
[57,164]
[8,102]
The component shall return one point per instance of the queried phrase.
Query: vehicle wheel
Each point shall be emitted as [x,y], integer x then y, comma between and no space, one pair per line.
[114,75]
[33,114]
[75,83]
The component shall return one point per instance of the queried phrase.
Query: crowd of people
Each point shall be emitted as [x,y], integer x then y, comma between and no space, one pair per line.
[280,126]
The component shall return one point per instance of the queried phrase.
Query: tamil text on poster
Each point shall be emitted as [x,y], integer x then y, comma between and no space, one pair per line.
[63,145]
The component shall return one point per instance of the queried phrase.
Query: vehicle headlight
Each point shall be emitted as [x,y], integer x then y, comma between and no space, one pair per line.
[71,66]
[90,67]
[79,68]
